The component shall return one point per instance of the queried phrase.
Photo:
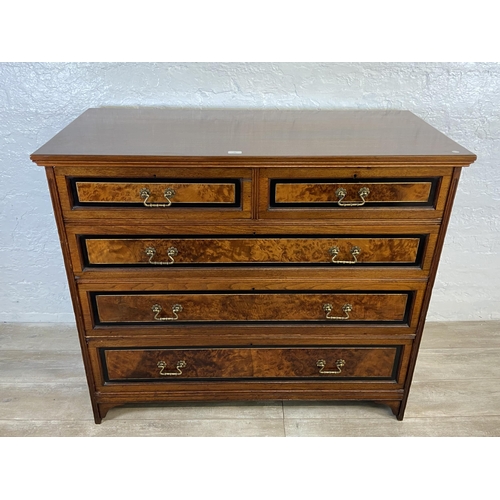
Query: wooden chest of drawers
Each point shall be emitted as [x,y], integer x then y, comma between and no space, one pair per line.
[250,255]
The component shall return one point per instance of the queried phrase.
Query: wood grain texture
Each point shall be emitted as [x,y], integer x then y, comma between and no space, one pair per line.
[408,193]
[75,298]
[432,276]
[216,188]
[109,248]
[325,192]
[240,331]
[182,133]
[255,250]
[195,427]
[251,307]
[249,363]
[128,192]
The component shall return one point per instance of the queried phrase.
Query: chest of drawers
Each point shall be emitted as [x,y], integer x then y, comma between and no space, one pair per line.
[232,255]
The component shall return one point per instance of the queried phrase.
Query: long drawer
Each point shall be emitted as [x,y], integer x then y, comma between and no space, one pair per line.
[222,251]
[370,250]
[173,308]
[154,364]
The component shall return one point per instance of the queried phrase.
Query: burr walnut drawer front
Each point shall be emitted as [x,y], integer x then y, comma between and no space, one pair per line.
[358,251]
[363,194]
[309,307]
[158,194]
[155,194]
[171,364]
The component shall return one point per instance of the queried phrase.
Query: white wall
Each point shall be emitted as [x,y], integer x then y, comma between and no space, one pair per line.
[37,100]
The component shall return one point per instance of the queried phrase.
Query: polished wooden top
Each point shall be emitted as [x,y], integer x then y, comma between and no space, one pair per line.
[128,133]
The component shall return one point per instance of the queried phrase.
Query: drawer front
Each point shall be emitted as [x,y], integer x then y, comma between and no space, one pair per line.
[184,251]
[354,193]
[156,194]
[174,308]
[151,364]
[347,193]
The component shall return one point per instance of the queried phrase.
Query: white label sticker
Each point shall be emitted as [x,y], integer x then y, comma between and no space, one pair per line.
[234,152]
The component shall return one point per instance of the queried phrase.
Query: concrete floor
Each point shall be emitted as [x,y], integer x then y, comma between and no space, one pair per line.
[455,392]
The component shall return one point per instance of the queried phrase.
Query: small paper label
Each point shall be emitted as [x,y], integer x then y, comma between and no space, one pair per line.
[234,152]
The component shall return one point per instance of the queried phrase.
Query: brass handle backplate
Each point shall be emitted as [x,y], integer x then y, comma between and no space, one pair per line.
[176,308]
[355,251]
[145,193]
[341,193]
[162,365]
[171,253]
[321,363]
[347,308]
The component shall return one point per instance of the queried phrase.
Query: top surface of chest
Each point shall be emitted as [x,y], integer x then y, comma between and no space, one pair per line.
[239,135]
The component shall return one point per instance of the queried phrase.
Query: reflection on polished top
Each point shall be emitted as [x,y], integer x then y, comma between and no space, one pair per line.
[231,133]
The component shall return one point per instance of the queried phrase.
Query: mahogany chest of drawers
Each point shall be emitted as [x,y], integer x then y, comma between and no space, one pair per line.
[231,255]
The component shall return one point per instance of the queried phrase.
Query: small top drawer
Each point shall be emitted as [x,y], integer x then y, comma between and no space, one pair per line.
[155,193]
[353,193]
[348,193]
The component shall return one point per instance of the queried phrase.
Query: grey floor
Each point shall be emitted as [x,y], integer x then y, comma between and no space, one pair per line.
[456,392]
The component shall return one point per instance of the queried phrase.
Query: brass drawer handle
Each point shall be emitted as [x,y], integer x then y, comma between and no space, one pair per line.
[355,251]
[145,193]
[176,308]
[171,253]
[162,365]
[341,194]
[347,308]
[321,363]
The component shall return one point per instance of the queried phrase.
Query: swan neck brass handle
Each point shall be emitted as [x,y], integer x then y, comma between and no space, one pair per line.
[162,365]
[171,253]
[341,193]
[355,251]
[176,308]
[145,194]
[347,308]
[321,363]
